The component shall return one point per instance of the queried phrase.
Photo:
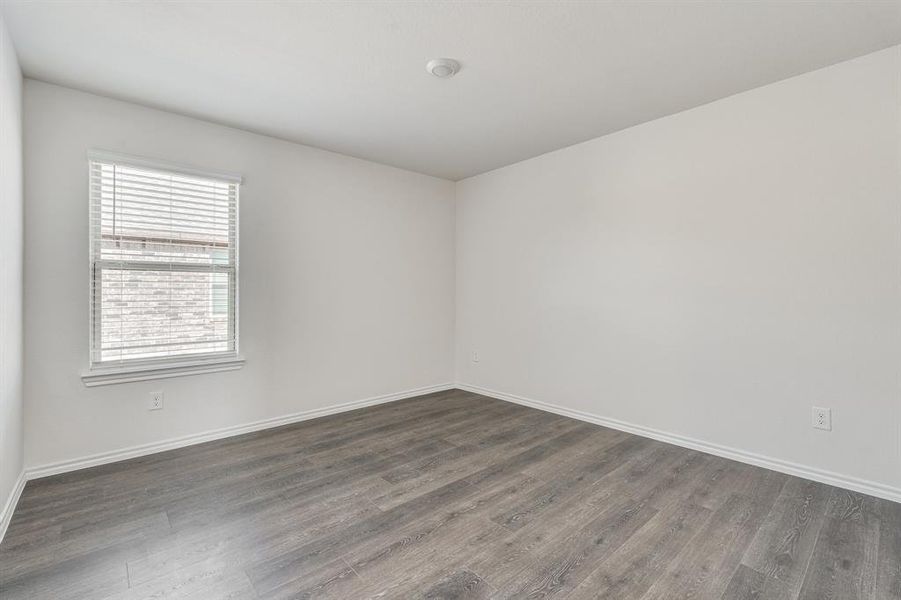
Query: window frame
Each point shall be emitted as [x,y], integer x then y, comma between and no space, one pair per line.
[171,366]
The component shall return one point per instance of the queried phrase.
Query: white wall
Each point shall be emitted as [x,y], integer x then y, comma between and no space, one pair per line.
[347,278]
[11,409]
[712,274]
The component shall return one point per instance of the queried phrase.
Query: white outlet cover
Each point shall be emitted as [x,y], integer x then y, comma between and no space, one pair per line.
[156,401]
[822,418]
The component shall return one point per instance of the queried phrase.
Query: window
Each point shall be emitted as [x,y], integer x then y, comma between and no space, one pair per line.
[164,267]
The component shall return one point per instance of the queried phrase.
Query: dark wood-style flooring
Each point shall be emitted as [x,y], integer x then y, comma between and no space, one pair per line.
[451,495]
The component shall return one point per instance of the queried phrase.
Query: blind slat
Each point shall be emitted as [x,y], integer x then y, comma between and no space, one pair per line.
[159,175]
[108,188]
[151,204]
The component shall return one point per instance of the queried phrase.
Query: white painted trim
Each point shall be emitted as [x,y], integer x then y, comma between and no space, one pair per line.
[163,370]
[11,502]
[783,466]
[207,436]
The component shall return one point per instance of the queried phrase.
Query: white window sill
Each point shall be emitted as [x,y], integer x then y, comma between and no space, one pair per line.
[127,374]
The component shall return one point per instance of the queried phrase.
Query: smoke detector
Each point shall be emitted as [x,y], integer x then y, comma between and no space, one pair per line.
[442,67]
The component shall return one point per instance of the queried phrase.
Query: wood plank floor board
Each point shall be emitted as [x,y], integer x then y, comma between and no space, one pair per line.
[498,556]
[440,473]
[568,562]
[888,583]
[784,543]
[124,538]
[248,540]
[93,573]
[702,569]
[677,475]
[260,495]
[843,563]
[726,478]
[746,584]
[643,559]
[844,560]
[579,475]
[458,585]
[431,472]
[601,439]
[335,580]
[433,527]
[406,565]
[268,575]
[404,561]
[207,580]
[449,495]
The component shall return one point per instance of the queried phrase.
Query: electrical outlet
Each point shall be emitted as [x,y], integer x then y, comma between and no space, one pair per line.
[156,401]
[822,418]
[475,356]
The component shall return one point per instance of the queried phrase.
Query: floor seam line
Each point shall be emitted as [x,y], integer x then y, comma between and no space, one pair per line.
[351,567]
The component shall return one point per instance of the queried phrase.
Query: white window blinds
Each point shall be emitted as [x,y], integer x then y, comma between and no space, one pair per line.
[164,263]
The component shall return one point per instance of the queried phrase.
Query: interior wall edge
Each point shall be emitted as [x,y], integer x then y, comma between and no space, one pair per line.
[856,484]
[12,228]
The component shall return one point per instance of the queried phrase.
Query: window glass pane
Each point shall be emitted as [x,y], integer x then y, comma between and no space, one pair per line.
[154,314]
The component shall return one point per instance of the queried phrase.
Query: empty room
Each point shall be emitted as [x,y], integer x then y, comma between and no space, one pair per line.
[450,299]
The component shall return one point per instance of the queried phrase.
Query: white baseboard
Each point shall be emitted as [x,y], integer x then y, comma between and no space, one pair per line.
[10,506]
[783,466]
[207,436]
